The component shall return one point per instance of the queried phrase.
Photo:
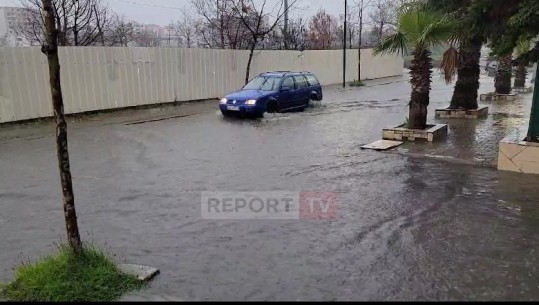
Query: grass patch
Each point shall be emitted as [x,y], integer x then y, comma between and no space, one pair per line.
[406,123]
[67,277]
[356,83]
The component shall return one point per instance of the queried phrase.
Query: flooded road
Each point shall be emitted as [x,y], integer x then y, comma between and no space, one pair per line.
[408,229]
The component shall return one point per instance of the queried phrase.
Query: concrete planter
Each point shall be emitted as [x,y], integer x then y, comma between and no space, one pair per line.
[498,97]
[400,133]
[478,113]
[516,155]
[523,90]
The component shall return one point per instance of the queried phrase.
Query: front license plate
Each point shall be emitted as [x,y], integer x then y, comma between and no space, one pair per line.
[233,108]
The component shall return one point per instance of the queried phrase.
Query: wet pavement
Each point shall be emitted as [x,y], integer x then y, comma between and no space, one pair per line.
[408,228]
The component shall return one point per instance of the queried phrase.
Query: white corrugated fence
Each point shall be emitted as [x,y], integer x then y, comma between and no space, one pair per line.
[99,78]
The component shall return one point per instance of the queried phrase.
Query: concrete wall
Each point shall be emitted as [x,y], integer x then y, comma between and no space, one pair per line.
[98,78]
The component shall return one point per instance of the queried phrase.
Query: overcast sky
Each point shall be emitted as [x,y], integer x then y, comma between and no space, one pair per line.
[163,11]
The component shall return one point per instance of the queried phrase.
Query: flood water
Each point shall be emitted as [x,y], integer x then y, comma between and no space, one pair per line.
[407,229]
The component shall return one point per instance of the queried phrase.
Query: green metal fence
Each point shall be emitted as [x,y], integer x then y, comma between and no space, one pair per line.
[533,129]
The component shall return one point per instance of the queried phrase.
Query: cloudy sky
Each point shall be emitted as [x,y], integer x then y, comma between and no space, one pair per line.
[163,11]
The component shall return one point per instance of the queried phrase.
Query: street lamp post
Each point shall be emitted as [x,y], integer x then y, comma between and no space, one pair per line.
[286,18]
[344,44]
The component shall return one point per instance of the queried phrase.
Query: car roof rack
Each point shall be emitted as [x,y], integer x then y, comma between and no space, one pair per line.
[286,72]
[276,72]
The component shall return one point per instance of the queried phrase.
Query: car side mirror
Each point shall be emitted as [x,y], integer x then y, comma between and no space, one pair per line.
[285,89]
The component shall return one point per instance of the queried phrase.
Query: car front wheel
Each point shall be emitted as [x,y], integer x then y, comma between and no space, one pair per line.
[310,102]
[255,115]
[272,107]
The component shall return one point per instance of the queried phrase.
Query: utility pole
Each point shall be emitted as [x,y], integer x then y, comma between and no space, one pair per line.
[286,20]
[344,44]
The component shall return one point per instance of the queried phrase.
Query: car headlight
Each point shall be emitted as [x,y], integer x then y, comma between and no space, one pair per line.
[250,102]
[224,100]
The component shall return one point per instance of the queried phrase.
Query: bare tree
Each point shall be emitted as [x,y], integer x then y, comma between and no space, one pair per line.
[105,20]
[295,38]
[186,29]
[171,33]
[323,31]
[146,38]
[362,5]
[215,15]
[219,26]
[50,48]
[3,41]
[122,32]
[298,38]
[78,22]
[352,24]
[275,40]
[32,28]
[383,17]
[260,20]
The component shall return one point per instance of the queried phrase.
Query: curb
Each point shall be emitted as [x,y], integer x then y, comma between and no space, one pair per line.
[448,159]
[142,273]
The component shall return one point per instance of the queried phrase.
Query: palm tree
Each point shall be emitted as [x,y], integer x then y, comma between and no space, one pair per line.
[502,81]
[523,46]
[462,60]
[491,18]
[466,63]
[419,29]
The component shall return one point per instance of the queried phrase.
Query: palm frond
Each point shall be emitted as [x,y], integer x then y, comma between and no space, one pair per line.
[393,44]
[449,65]
[440,29]
[524,45]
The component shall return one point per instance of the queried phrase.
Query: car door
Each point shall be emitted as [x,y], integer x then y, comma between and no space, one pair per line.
[314,85]
[287,95]
[302,91]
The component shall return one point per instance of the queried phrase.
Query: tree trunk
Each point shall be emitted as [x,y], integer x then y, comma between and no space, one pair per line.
[351,39]
[467,86]
[520,77]
[502,81]
[533,129]
[248,71]
[51,50]
[380,32]
[360,42]
[220,10]
[285,30]
[420,72]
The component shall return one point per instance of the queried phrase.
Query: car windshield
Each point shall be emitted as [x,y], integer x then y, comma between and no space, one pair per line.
[264,83]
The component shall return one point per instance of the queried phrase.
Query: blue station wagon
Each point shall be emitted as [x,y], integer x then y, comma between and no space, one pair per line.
[273,92]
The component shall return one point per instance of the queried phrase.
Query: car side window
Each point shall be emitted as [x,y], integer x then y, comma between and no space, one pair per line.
[300,82]
[312,80]
[288,82]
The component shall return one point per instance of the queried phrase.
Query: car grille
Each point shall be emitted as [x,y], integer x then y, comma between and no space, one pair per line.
[238,102]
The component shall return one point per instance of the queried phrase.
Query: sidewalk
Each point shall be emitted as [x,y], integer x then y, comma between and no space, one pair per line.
[472,141]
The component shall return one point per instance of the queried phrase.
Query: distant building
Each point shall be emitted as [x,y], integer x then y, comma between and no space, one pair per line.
[153,35]
[166,36]
[10,20]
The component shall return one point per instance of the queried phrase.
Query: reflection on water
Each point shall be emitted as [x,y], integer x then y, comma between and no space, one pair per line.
[408,229]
